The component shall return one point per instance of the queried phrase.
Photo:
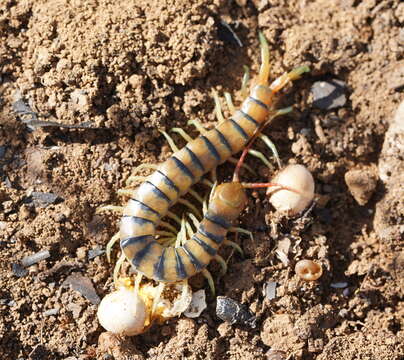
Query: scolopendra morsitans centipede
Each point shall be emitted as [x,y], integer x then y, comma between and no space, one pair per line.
[153,198]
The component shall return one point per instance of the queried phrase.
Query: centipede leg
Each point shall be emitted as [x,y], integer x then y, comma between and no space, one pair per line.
[198,126]
[245,166]
[190,206]
[222,263]
[234,245]
[127,192]
[110,244]
[229,103]
[218,106]
[182,133]
[209,278]
[170,141]
[138,168]
[112,208]
[244,81]
[243,231]
[117,268]
[272,147]
[261,156]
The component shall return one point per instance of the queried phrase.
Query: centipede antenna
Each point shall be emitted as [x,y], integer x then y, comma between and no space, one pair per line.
[113,208]
[244,81]
[209,278]
[182,133]
[198,126]
[190,206]
[117,268]
[167,241]
[229,103]
[222,263]
[234,245]
[170,141]
[263,75]
[218,106]
[168,226]
[272,146]
[110,244]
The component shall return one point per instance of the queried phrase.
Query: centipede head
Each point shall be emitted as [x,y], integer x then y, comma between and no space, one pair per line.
[228,200]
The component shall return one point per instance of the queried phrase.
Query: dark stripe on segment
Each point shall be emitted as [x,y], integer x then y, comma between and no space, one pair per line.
[240,130]
[141,254]
[198,266]
[159,267]
[179,267]
[223,140]
[258,102]
[209,249]
[158,192]
[145,207]
[216,238]
[249,118]
[183,168]
[139,220]
[212,149]
[169,182]
[218,220]
[135,240]
[195,160]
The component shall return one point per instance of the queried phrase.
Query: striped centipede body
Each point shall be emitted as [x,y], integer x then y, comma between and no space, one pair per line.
[184,168]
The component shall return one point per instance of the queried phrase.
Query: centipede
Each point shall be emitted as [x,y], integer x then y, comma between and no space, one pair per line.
[172,179]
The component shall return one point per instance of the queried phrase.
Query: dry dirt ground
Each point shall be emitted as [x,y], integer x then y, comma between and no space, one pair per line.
[132,68]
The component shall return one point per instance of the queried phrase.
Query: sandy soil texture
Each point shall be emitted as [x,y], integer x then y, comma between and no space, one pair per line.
[85,88]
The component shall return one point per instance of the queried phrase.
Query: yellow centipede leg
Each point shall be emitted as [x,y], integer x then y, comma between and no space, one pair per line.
[117,268]
[182,133]
[127,192]
[190,206]
[196,195]
[229,103]
[222,263]
[110,244]
[272,146]
[244,82]
[170,141]
[218,106]
[209,278]
[195,221]
[245,166]
[138,168]
[243,231]
[168,226]
[261,156]
[198,126]
[112,208]
[134,178]
[234,245]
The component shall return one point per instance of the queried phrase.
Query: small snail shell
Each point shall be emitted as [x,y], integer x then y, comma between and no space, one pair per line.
[308,270]
[123,312]
[298,178]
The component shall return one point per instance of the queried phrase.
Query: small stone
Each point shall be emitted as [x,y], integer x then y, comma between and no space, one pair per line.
[270,290]
[361,184]
[197,305]
[84,286]
[51,312]
[328,95]
[43,199]
[233,312]
[35,258]
[93,253]
[276,355]
[18,270]
[81,253]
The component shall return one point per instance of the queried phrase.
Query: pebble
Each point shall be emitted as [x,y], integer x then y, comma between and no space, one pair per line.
[35,258]
[93,253]
[361,184]
[328,95]
[44,199]
[270,290]
[339,285]
[84,286]
[233,312]
[51,312]
[18,270]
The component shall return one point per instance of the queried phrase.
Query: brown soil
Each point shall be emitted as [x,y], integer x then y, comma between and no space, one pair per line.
[132,70]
